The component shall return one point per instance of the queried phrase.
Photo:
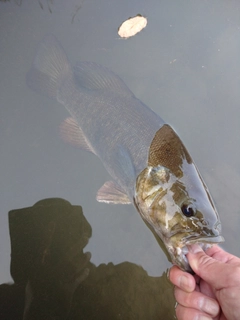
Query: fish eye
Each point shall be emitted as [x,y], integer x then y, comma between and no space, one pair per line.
[187,210]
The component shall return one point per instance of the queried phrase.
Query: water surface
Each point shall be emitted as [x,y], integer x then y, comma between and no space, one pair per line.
[185,65]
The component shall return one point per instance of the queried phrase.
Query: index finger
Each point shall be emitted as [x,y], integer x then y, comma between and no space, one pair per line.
[182,279]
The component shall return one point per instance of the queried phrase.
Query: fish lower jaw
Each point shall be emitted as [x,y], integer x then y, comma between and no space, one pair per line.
[179,252]
[179,258]
[180,255]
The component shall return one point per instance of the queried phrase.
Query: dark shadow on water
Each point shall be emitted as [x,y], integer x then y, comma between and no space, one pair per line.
[54,278]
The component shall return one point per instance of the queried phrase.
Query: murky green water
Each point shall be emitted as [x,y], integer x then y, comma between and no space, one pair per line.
[185,65]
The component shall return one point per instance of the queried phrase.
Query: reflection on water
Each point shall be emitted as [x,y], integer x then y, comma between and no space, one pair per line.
[54,278]
[184,65]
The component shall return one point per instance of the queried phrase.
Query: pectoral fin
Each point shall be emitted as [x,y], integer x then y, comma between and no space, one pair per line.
[110,192]
[73,134]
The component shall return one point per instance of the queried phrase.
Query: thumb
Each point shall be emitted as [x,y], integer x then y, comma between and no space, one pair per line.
[208,268]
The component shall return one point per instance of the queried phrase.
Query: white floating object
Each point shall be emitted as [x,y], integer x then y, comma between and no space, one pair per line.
[132,26]
[173,61]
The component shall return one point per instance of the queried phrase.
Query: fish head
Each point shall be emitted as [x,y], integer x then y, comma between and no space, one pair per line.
[175,203]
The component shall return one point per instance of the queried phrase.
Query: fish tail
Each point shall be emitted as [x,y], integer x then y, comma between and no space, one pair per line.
[49,68]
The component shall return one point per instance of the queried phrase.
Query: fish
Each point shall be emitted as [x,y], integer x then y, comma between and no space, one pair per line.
[149,164]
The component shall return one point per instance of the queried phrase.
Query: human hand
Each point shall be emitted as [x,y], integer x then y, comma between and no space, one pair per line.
[214,292]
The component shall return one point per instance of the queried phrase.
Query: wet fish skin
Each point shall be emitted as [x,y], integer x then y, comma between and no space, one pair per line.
[164,191]
[117,126]
[148,162]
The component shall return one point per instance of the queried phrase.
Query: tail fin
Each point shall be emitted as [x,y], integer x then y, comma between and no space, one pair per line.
[49,68]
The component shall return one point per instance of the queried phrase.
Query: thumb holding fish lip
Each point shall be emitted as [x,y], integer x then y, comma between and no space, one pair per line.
[216,273]
[222,273]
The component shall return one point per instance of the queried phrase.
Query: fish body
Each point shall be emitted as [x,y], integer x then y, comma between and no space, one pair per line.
[146,159]
[112,120]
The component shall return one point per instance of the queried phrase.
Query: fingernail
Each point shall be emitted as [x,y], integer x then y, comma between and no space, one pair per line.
[202,317]
[194,248]
[168,273]
[184,282]
[210,307]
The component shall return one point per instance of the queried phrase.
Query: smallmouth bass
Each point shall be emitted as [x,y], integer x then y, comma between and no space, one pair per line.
[146,159]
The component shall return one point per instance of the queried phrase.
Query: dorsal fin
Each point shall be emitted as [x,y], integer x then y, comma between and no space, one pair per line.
[93,76]
[73,134]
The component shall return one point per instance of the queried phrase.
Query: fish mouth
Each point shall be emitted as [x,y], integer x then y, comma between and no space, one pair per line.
[182,251]
[204,240]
